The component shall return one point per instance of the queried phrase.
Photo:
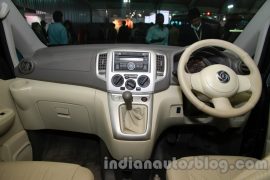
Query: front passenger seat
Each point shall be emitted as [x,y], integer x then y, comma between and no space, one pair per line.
[36,170]
[229,170]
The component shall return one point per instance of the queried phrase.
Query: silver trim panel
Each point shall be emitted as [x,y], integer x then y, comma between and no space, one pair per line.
[151,73]
[115,100]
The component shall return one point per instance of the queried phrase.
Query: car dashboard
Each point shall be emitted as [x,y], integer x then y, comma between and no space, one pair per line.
[81,89]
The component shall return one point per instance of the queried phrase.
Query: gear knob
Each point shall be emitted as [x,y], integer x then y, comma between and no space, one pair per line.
[128,98]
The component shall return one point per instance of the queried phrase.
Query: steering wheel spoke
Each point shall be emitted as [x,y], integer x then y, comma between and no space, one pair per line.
[244,83]
[195,81]
[222,104]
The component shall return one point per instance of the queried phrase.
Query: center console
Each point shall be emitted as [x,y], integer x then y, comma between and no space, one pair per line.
[131,71]
[130,78]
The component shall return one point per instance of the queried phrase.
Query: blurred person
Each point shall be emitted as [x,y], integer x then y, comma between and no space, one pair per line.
[123,35]
[95,34]
[233,22]
[196,30]
[57,32]
[111,33]
[72,37]
[82,35]
[39,32]
[44,27]
[174,35]
[158,33]
[138,34]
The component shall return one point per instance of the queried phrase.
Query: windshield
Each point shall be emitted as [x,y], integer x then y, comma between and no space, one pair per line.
[170,22]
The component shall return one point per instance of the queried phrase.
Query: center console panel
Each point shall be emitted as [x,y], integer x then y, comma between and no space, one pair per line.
[132,71]
[136,72]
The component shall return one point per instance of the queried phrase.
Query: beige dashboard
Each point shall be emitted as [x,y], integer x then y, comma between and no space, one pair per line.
[89,96]
[46,105]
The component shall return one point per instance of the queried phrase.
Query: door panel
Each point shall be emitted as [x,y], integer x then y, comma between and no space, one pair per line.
[7,117]
[14,143]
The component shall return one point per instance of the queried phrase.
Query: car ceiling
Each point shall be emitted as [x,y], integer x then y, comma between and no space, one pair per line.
[217,6]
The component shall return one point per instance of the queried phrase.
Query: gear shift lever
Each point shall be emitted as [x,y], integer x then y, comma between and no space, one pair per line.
[127,96]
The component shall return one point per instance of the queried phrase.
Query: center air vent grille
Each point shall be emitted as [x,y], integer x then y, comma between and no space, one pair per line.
[102,63]
[26,67]
[243,69]
[160,66]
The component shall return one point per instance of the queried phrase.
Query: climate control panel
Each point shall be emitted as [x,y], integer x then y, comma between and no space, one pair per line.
[131,70]
[130,82]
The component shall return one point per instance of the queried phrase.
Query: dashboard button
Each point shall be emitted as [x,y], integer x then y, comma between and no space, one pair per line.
[117,67]
[145,67]
[144,99]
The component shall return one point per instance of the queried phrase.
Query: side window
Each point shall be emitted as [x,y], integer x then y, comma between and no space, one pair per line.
[19,55]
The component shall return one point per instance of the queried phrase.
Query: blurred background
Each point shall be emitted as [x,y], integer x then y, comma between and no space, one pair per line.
[91,21]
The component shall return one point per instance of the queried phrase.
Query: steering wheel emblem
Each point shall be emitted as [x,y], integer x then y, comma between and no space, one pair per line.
[223,76]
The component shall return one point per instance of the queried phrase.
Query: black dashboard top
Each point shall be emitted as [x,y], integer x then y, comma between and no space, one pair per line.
[77,65]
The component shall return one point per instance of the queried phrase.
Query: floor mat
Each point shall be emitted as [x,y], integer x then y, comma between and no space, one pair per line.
[67,147]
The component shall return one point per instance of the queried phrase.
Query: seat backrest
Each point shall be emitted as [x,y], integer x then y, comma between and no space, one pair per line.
[260,171]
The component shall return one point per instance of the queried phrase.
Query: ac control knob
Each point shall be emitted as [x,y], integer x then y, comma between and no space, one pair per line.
[117,80]
[143,81]
[130,84]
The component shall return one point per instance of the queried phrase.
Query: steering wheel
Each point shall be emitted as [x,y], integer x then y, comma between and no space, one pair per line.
[219,82]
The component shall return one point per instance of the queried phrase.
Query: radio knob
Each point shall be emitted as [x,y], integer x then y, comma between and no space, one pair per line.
[131,66]
[117,80]
[143,81]
[130,84]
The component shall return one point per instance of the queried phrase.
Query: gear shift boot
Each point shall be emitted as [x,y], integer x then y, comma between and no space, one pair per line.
[133,121]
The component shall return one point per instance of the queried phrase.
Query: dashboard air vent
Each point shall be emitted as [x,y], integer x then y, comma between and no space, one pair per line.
[102,63]
[160,65]
[243,69]
[26,67]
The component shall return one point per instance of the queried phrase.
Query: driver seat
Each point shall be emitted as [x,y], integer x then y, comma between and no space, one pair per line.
[219,168]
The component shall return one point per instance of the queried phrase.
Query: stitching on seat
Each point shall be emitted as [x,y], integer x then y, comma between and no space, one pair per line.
[46,171]
[75,172]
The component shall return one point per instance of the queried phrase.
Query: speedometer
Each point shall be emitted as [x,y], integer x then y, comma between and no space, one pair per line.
[195,64]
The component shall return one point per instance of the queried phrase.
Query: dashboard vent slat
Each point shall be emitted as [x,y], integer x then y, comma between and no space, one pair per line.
[160,65]
[243,69]
[102,63]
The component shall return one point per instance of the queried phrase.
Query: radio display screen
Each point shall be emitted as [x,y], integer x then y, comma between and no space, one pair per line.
[131,61]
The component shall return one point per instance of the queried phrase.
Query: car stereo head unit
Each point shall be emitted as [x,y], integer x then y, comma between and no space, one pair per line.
[131,61]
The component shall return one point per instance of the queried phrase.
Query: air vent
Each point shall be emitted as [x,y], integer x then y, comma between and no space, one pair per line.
[243,69]
[160,65]
[102,63]
[26,67]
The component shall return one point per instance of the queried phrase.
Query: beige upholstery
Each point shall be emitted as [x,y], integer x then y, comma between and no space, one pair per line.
[43,171]
[195,173]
